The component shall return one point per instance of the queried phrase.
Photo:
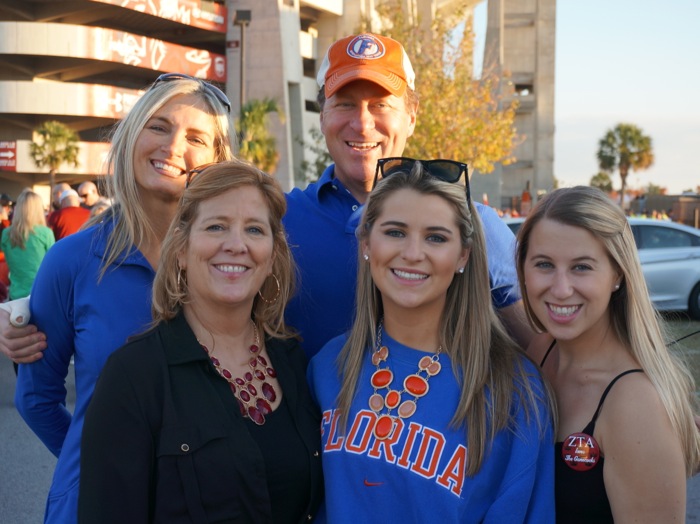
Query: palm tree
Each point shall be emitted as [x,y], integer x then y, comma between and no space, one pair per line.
[257,145]
[623,148]
[602,181]
[56,144]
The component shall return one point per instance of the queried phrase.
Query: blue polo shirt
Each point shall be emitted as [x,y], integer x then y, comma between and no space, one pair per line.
[87,319]
[321,222]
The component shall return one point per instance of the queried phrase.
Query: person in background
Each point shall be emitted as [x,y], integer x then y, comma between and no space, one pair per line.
[25,243]
[430,411]
[626,438]
[220,372]
[100,207]
[87,191]
[5,221]
[6,204]
[369,109]
[58,190]
[70,218]
[93,289]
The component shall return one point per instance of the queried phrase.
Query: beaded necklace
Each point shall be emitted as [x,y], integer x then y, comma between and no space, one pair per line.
[253,401]
[415,385]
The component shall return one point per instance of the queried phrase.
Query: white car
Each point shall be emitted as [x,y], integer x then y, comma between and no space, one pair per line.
[670,257]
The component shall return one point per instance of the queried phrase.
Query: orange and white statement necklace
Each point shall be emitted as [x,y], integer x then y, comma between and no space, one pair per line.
[415,385]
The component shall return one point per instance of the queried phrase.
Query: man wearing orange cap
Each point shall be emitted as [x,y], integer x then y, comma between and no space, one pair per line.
[368,111]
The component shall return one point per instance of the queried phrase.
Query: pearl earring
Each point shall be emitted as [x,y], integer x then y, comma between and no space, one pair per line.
[617,286]
[365,256]
[461,270]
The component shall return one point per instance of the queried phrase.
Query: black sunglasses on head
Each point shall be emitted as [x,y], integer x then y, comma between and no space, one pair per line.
[218,93]
[197,170]
[445,170]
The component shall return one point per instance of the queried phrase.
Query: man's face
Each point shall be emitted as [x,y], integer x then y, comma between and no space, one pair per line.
[362,122]
[56,197]
[88,194]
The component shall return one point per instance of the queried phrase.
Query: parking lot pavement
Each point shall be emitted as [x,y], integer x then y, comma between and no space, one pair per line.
[27,466]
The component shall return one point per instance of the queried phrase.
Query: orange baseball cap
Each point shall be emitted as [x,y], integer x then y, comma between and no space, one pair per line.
[376,58]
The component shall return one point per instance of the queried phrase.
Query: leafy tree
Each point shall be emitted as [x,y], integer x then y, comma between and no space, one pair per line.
[459,118]
[602,181]
[312,171]
[653,189]
[56,144]
[257,145]
[623,148]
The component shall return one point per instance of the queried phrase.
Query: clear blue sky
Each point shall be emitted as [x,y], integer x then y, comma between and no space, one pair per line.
[635,61]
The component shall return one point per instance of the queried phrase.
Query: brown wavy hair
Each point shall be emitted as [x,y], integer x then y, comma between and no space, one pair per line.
[213,181]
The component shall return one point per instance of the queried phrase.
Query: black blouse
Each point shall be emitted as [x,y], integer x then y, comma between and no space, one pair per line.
[164,440]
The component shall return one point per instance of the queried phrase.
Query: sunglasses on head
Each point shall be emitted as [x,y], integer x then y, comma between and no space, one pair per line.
[445,170]
[197,170]
[218,93]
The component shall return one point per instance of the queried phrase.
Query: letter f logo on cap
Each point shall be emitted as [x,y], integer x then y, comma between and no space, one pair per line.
[365,47]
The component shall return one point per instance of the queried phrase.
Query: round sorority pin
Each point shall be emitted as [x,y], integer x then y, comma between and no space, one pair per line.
[580,451]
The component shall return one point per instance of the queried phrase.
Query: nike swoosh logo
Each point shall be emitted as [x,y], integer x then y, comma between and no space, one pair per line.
[370,484]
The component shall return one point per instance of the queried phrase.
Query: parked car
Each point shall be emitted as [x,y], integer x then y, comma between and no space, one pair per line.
[670,257]
[514,223]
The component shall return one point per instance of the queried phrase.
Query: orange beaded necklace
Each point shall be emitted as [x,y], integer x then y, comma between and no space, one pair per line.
[415,385]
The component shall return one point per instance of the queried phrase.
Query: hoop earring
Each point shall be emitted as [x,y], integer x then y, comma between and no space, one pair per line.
[180,279]
[277,294]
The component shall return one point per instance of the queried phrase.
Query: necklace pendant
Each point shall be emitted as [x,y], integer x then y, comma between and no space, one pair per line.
[392,399]
[384,427]
[431,365]
[416,385]
[407,408]
[381,378]
[380,355]
[376,402]
[256,415]
[269,392]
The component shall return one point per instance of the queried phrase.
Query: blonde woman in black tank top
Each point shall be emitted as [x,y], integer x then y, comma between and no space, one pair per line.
[626,438]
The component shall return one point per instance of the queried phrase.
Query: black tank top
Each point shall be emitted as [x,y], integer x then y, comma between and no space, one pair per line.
[580,496]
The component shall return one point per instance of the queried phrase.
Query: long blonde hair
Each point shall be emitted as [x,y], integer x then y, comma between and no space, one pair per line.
[29,213]
[633,317]
[169,286]
[131,224]
[489,366]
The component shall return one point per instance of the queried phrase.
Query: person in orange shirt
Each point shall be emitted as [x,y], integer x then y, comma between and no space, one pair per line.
[70,218]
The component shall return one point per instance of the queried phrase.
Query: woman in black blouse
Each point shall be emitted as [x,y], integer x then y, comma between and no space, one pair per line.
[207,417]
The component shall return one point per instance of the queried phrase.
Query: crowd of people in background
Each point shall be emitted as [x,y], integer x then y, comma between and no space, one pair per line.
[68,211]
[654,214]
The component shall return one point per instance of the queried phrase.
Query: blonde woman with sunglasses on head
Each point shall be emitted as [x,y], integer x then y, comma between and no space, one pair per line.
[92,291]
[430,412]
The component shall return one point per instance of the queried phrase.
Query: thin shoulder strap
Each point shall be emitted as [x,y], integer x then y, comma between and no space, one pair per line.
[607,390]
[548,352]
